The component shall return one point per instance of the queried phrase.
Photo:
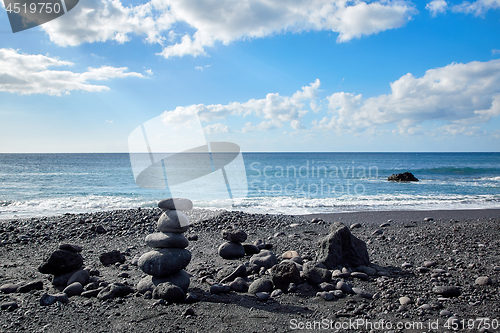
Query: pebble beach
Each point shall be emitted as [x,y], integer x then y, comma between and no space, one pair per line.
[428,271]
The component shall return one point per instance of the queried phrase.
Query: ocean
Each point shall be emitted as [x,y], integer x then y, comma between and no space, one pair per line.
[34,185]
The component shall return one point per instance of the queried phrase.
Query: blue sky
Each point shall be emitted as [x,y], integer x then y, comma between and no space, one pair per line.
[268,75]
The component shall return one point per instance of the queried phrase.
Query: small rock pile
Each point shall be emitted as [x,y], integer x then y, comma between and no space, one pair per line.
[165,264]
[233,249]
[65,264]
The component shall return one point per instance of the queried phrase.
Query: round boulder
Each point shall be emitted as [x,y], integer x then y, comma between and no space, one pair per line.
[61,261]
[169,292]
[285,273]
[181,279]
[231,250]
[166,240]
[261,285]
[164,262]
[265,259]
[237,236]
[173,221]
[175,204]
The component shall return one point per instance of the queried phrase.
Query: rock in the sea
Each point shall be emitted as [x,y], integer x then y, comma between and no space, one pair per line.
[114,290]
[110,258]
[81,276]
[33,285]
[263,284]
[169,292]
[239,284]
[166,240]
[265,259]
[315,273]
[447,291]
[341,247]
[173,221]
[9,288]
[73,289]
[403,177]
[175,204]
[60,262]
[164,262]
[284,273]
[237,236]
[231,250]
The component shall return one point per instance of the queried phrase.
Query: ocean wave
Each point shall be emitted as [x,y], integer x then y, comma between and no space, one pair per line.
[458,171]
[301,206]
[261,204]
[83,204]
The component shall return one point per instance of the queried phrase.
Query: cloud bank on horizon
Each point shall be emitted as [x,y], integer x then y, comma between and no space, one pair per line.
[462,95]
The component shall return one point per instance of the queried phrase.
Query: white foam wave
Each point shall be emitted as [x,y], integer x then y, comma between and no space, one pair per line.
[301,206]
[84,204]
[497,178]
[260,205]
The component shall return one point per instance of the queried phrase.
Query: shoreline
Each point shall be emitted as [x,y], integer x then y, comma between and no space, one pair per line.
[368,216]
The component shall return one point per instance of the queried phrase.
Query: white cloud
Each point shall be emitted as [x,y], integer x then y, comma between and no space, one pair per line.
[274,109]
[437,7]
[478,7]
[460,94]
[216,128]
[102,20]
[27,74]
[495,51]
[202,68]
[225,21]
[261,127]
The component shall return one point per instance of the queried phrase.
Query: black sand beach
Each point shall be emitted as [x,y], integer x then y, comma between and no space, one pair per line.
[411,255]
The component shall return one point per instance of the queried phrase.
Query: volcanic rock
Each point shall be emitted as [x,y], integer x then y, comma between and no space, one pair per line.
[341,247]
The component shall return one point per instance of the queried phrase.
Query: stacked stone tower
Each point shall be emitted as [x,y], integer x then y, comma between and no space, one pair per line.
[167,261]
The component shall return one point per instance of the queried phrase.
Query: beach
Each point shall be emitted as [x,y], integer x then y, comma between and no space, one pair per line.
[411,253]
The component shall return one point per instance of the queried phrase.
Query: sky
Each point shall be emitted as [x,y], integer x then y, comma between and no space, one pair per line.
[268,75]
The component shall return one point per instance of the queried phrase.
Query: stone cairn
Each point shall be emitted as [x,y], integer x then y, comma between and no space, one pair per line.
[233,249]
[167,261]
